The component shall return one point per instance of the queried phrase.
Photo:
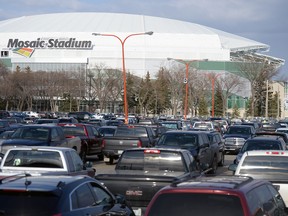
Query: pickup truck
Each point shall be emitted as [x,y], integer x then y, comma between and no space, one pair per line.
[91,138]
[270,165]
[40,135]
[141,172]
[125,137]
[197,142]
[39,160]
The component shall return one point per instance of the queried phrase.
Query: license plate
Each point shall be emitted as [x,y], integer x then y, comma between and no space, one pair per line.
[137,212]
[106,159]
[120,151]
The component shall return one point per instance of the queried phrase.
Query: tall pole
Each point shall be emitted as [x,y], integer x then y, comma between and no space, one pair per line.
[266,100]
[212,79]
[123,66]
[187,65]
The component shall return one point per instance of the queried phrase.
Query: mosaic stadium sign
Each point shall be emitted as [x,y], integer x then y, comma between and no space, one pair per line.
[27,47]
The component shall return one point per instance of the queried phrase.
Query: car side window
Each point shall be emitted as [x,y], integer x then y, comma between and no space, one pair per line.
[82,197]
[75,162]
[278,198]
[95,132]
[54,135]
[102,197]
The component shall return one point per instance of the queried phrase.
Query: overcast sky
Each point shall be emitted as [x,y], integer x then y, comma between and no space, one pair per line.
[265,21]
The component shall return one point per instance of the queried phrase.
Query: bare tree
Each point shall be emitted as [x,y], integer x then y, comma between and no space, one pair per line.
[255,70]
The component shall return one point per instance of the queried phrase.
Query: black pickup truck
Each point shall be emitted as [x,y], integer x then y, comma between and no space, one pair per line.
[141,172]
[125,137]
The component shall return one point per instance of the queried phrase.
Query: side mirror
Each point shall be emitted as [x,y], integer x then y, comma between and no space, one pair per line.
[232,167]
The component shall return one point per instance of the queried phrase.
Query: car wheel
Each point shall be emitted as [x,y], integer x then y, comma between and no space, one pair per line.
[221,162]
[101,157]
[83,154]
[214,166]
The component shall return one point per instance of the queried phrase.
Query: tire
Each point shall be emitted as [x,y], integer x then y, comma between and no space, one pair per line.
[214,166]
[101,157]
[83,155]
[111,160]
[221,162]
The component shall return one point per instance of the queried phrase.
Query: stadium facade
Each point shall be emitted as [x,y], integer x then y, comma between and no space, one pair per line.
[64,41]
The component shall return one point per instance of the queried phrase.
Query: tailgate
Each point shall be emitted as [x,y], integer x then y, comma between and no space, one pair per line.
[119,143]
[138,190]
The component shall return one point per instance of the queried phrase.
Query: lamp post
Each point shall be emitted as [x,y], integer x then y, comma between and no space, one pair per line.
[90,75]
[187,65]
[123,65]
[212,79]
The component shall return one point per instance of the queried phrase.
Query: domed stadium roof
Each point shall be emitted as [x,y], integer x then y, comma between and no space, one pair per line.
[117,22]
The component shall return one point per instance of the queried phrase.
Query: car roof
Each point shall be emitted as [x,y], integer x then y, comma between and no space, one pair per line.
[221,183]
[266,137]
[52,148]
[275,153]
[43,183]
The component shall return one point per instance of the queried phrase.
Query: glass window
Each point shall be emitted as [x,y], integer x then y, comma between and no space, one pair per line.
[82,197]
[187,204]
[102,197]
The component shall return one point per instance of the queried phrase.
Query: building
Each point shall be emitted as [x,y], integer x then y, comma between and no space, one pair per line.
[65,41]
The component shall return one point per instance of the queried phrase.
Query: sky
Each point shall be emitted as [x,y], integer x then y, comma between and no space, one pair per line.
[264,21]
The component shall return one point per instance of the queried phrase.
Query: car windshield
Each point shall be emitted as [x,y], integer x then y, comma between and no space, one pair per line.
[203,125]
[265,166]
[252,145]
[186,204]
[131,131]
[182,140]
[28,203]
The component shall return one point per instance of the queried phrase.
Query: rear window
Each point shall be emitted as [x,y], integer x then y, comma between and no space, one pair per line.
[22,158]
[182,139]
[27,203]
[161,161]
[131,131]
[251,145]
[187,204]
[74,131]
[273,167]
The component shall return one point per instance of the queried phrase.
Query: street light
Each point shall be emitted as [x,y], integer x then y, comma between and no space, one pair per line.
[212,79]
[187,65]
[123,65]
[90,75]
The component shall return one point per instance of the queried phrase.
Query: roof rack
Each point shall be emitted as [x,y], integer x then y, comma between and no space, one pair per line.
[15,177]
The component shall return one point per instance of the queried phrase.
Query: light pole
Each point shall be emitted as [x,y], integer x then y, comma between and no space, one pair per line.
[90,75]
[187,65]
[212,79]
[123,65]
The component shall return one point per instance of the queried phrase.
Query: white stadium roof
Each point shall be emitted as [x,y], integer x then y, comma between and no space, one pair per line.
[117,22]
[171,38]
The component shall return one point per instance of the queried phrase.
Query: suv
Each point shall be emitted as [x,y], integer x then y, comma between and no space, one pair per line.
[261,143]
[217,140]
[91,138]
[58,195]
[236,135]
[220,196]
[197,142]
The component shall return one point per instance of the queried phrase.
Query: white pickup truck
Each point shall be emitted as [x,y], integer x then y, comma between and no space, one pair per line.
[43,160]
[270,165]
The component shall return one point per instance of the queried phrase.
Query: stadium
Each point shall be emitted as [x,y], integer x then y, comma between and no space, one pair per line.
[69,41]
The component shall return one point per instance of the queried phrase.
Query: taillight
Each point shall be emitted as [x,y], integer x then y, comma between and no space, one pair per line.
[139,144]
[152,151]
[275,153]
[103,143]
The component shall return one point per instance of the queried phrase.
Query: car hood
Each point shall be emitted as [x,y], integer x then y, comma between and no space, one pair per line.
[23,142]
[245,136]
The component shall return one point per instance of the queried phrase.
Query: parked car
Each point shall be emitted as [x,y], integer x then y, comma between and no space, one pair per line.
[91,139]
[261,143]
[197,142]
[218,196]
[58,195]
[235,137]
[264,164]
